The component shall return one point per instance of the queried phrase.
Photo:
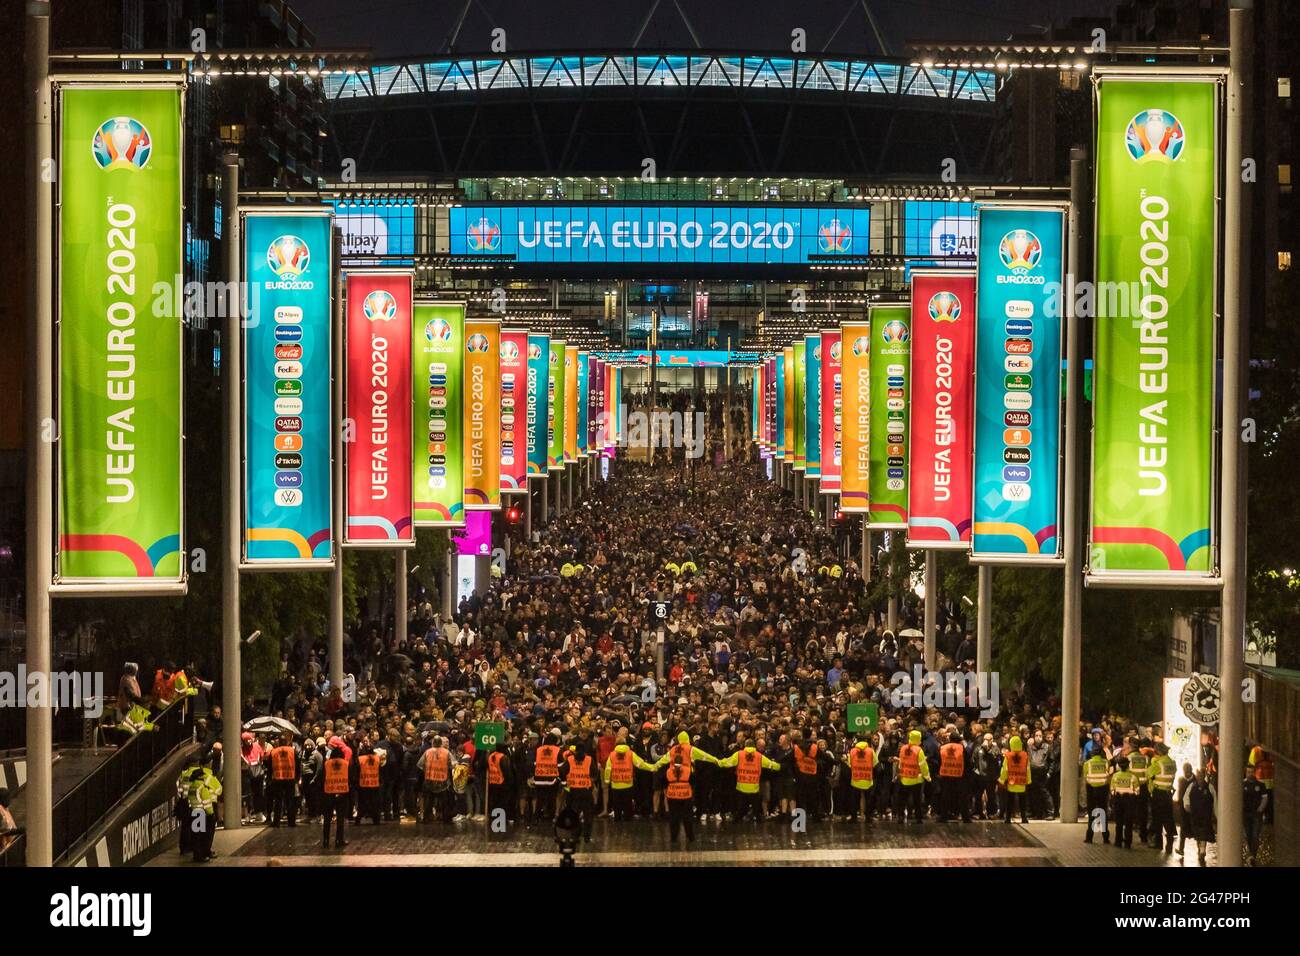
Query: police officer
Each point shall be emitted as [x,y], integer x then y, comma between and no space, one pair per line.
[338,791]
[1138,762]
[952,780]
[1161,775]
[285,771]
[1123,792]
[202,789]
[1096,778]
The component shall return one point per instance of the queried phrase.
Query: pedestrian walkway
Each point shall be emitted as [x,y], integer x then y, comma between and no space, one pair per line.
[643,843]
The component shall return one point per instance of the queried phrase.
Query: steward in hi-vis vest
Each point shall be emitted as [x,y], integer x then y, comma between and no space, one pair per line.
[1096,777]
[749,764]
[1015,777]
[862,774]
[953,798]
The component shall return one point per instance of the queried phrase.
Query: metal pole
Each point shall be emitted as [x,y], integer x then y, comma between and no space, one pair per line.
[866,552]
[984,622]
[449,592]
[1232,518]
[1072,602]
[399,598]
[39,795]
[546,496]
[931,607]
[891,612]
[232,365]
[336,573]
[528,511]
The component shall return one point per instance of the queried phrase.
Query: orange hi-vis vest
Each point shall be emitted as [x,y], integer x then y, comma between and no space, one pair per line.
[749,766]
[1017,768]
[679,781]
[579,773]
[282,763]
[683,749]
[952,760]
[437,764]
[862,764]
[547,764]
[495,776]
[336,776]
[909,761]
[621,767]
[369,766]
[806,762]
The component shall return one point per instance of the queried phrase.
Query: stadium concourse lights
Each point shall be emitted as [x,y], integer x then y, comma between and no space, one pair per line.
[1001,57]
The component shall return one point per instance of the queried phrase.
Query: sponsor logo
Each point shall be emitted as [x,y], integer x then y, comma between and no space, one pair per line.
[1015,491]
[1020,249]
[945,307]
[1019,309]
[896,448]
[1020,401]
[1018,363]
[894,416]
[894,472]
[895,404]
[288,497]
[894,332]
[895,393]
[288,256]
[1015,473]
[288,443]
[288,479]
[289,333]
[834,236]
[898,460]
[477,342]
[1017,419]
[1019,346]
[288,369]
[288,315]
[1019,328]
[437,448]
[288,423]
[437,402]
[288,352]
[1155,135]
[438,368]
[437,330]
[121,143]
[895,369]
[1016,456]
[437,390]
[893,484]
[894,381]
[288,406]
[895,438]
[1016,436]
[1018,383]
[288,460]
[483,236]
[379,306]
[292,387]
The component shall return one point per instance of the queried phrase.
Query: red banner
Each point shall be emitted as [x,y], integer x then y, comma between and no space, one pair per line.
[514,400]
[942,408]
[378,405]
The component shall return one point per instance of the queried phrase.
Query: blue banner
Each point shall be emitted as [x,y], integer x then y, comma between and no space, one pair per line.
[287,388]
[539,355]
[1018,382]
[718,234]
[376,232]
[938,228]
[812,400]
[778,437]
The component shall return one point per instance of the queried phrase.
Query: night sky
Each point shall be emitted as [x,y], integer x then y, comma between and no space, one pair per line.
[397,28]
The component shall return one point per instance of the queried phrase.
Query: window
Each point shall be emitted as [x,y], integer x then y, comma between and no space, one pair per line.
[232,134]
[1284,260]
[1284,86]
[1284,174]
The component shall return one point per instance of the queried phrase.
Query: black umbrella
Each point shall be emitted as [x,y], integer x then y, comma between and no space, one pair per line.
[435,726]
[271,725]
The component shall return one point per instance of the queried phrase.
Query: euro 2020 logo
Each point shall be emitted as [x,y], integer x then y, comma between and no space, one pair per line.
[945,307]
[509,351]
[1155,136]
[288,256]
[894,332]
[478,342]
[379,306]
[834,237]
[121,143]
[483,236]
[1020,249]
[835,351]
[437,330]
[534,351]
[861,346]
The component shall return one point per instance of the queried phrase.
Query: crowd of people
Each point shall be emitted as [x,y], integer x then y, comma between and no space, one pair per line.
[732,707]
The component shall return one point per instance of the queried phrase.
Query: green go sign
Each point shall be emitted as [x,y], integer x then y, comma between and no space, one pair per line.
[487,736]
[119,339]
[863,718]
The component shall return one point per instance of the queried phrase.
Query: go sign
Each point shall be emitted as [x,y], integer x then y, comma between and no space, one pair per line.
[487,736]
[863,718]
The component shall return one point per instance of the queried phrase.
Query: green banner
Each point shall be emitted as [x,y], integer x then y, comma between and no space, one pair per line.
[119,340]
[891,369]
[1153,405]
[438,458]
[800,400]
[555,407]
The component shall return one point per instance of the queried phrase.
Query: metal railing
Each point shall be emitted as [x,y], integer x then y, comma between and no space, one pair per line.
[93,798]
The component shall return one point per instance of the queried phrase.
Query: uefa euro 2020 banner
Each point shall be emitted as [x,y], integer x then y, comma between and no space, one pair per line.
[855,430]
[800,416]
[514,401]
[781,418]
[1153,461]
[119,379]
[537,415]
[555,407]
[482,415]
[584,402]
[1020,269]
[437,472]
[378,404]
[891,352]
[570,404]
[288,392]
[812,422]
[832,415]
[942,406]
